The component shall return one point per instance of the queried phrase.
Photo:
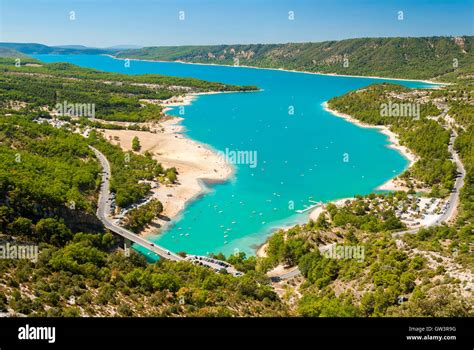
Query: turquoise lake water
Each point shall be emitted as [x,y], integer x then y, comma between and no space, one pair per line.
[300,156]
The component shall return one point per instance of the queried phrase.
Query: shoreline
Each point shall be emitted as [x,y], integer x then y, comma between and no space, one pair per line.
[426,81]
[199,166]
[394,143]
[188,98]
[390,185]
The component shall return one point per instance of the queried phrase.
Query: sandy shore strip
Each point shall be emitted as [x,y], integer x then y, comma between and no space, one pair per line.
[176,101]
[392,184]
[187,99]
[337,202]
[196,164]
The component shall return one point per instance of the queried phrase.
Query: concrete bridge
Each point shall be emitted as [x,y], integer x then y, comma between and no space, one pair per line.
[104,206]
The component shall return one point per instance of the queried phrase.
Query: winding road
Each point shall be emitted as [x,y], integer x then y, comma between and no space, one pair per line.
[453,199]
[103,213]
[104,208]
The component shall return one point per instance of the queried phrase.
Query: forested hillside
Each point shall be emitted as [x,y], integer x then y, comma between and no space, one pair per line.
[115,96]
[443,58]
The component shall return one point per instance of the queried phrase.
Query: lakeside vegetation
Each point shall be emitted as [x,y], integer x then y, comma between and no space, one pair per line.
[68,70]
[128,171]
[47,162]
[412,276]
[443,58]
[425,137]
[108,96]
[139,218]
[85,278]
[32,49]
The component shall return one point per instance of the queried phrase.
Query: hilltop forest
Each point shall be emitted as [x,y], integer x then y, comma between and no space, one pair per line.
[441,58]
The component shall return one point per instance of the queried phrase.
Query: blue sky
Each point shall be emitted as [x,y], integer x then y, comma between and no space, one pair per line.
[104,23]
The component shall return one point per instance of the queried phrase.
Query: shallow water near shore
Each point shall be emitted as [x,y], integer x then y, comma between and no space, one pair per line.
[301,150]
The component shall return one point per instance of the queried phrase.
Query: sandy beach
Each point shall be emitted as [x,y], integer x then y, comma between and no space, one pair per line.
[177,101]
[392,184]
[188,98]
[338,203]
[196,164]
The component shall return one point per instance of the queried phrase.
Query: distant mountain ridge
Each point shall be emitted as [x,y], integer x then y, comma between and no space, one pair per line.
[443,58]
[125,47]
[74,47]
[34,48]
[7,52]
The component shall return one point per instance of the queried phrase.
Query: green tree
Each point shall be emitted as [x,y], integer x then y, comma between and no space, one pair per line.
[21,226]
[322,222]
[171,175]
[52,231]
[136,144]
